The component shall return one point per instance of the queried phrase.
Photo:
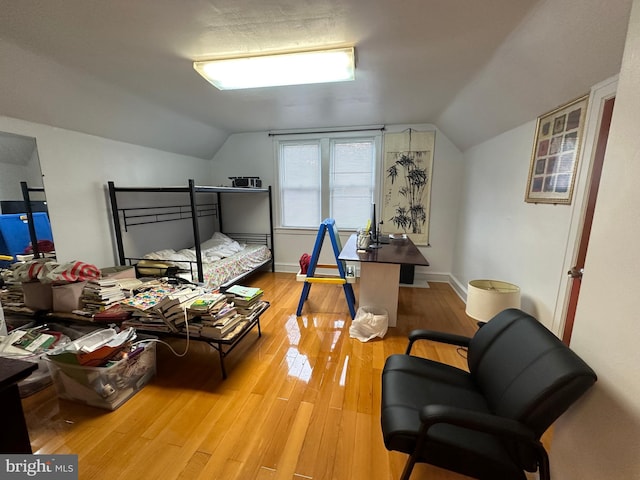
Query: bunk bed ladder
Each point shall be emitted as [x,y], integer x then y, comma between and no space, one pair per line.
[328,225]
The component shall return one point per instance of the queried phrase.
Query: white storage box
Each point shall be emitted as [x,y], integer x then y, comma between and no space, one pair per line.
[66,297]
[37,295]
[105,387]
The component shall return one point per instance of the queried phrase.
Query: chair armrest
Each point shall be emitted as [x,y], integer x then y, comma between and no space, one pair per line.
[482,422]
[441,337]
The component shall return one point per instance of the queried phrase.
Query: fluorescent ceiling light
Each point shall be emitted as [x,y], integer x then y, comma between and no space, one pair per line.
[320,66]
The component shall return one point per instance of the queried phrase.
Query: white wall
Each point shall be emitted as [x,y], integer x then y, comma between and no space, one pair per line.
[245,155]
[16,170]
[76,168]
[600,436]
[34,173]
[500,236]
[253,154]
[9,187]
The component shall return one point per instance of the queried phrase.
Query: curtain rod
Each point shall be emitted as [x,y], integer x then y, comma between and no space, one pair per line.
[343,130]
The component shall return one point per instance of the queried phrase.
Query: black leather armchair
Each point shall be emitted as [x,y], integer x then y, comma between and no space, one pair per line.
[485,423]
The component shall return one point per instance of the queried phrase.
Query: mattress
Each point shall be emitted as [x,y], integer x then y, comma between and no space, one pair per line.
[223,259]
[221,271]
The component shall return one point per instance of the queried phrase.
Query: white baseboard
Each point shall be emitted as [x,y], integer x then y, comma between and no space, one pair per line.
[287,267]
[459,288]
[433,277]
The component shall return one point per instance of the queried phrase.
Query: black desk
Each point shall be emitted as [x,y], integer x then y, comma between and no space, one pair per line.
[15,436]
[380,271]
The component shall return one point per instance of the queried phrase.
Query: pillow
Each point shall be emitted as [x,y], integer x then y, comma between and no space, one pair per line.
[160,254]
[216,240]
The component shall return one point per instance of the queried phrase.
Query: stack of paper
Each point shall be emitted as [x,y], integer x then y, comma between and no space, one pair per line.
[96,349]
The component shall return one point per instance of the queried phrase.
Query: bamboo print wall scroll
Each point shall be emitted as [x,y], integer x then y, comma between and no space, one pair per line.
[408,166]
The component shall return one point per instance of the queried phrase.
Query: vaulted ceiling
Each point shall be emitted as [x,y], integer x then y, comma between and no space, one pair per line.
[122,69]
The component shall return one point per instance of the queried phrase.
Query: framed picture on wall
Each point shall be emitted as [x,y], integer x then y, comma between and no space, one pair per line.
[556,150]
[408,167]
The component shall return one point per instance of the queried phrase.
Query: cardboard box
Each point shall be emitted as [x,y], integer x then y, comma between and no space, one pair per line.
[66,298]
[37,295]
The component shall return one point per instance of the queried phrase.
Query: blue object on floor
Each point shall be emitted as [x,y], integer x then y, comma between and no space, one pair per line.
[14,232]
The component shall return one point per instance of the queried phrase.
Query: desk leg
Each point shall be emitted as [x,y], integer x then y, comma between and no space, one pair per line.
[379,285]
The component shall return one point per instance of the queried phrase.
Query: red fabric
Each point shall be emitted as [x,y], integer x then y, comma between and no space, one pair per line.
[44,246]
[34,270]
[304,263]
[79,271]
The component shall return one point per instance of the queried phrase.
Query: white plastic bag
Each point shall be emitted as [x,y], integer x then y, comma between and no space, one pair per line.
[370,322]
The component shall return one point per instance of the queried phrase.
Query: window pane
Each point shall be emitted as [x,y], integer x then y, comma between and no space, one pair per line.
[300,165]
[300,185]
[352,181]
[300,208]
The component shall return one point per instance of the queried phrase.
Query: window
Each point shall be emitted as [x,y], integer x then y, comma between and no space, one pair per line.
[300,174]
[327,177]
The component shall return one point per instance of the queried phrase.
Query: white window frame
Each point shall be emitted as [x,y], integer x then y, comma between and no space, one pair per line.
[325,140]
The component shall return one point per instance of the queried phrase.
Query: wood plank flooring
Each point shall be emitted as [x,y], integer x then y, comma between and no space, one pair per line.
[302,402]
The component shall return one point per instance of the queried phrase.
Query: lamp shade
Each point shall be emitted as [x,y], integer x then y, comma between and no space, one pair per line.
[486,298]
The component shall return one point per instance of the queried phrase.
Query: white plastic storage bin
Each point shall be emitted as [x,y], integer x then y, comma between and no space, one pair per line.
[105,387]
[41,378]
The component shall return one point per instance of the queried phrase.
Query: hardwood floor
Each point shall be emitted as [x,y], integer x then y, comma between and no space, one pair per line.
[302,402]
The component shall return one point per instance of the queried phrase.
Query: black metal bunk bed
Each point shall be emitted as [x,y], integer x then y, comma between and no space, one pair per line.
[26,195]
[132,216]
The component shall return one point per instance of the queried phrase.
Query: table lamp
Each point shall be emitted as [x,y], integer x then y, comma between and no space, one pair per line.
[487,298]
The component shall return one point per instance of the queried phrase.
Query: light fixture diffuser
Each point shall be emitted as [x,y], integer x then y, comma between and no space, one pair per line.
[319,66]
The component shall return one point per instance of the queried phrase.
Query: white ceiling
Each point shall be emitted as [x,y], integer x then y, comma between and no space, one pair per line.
[122,69]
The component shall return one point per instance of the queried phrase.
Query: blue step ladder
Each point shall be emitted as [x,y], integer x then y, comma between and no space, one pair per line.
[328,225]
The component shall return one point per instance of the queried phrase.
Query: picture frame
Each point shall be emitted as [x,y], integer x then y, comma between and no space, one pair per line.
[556,152]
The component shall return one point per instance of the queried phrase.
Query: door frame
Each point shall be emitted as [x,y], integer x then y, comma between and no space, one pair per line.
[599,94]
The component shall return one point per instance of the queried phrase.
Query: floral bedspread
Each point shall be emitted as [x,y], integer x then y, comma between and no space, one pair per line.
[223,259]
[221,271]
